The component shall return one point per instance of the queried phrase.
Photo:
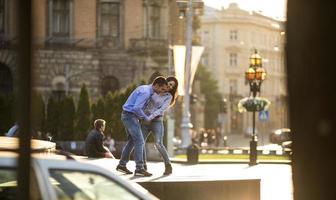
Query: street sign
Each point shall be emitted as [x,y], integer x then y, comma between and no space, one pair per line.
[263,115]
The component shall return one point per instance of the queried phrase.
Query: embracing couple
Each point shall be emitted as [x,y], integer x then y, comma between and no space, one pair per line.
[142,114]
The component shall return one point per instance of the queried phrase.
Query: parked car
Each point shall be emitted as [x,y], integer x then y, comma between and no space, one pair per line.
[282,137]
[56,177]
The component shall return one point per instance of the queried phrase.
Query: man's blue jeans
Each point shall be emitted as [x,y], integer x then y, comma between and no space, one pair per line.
[134,140]
[156,126]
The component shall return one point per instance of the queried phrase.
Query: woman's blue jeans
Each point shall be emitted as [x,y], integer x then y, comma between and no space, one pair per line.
[135,140]
[156,126]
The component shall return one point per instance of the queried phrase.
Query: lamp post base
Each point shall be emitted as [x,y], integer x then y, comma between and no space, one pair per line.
[253,152]
[185,132]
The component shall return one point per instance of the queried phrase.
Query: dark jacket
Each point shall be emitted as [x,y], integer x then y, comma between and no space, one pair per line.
[94,144]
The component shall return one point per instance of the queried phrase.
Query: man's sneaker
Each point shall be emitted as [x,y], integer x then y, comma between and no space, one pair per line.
[123,169]
[141,172]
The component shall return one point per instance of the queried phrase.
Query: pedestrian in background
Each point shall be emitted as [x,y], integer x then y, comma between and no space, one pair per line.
[109,143]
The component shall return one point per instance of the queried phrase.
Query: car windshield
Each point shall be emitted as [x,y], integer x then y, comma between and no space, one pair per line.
[87,186]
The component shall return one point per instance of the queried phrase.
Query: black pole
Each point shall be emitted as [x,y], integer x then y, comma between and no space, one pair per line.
[253,143]
[24,98]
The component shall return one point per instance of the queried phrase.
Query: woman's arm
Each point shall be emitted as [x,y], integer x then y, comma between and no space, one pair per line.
[162,108]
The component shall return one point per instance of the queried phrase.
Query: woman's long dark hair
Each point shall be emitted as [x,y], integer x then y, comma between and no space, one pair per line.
[173,92]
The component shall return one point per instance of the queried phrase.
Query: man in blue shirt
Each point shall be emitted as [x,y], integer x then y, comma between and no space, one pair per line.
[131,115]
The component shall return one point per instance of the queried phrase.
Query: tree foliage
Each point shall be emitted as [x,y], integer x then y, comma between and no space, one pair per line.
[7,113]
[209,87]
[98,109]
[52,120]
[114,103]
[38,114]
[83,114]
[67,119]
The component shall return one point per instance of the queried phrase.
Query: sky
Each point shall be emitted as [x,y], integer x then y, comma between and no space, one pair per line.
[271,8]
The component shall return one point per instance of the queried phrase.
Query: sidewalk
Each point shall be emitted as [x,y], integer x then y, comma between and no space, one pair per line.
[275,179]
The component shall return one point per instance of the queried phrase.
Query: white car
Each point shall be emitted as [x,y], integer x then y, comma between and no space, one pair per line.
[55,177]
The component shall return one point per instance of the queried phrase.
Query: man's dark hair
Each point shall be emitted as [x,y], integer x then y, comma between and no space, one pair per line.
[160,80]
[98,123]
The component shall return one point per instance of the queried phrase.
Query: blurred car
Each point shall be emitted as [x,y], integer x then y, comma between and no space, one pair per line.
[56,177]
[282,137]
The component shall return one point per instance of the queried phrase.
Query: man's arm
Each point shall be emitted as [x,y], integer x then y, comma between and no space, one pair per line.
[139,104]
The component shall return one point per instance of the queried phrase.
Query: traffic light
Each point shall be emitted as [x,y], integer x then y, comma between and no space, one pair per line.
[223,106]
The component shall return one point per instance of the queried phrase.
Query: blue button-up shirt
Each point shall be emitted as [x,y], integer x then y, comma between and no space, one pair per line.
[137,100]
[158,105]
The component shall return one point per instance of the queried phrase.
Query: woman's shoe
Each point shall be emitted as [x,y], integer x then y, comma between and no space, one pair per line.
[168,169]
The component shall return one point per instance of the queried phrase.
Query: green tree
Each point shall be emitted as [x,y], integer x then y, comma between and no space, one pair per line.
[98,109]
[52,122]
[7,113]
[67,119]
[38,114]
[113,109]
[109,111]
[209,87]
[83,114]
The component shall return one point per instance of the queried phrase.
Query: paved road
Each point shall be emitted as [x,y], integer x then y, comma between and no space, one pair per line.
[276,179]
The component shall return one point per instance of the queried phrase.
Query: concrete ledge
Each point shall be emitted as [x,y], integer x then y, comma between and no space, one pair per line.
[210,190]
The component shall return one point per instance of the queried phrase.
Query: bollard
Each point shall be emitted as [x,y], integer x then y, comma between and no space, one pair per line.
[192,154]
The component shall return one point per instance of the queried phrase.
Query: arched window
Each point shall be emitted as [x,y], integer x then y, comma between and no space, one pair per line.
[6,79]
[109,84]
[59,87]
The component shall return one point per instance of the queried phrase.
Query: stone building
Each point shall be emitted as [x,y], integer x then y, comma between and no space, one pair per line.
[106,44]
[230,37]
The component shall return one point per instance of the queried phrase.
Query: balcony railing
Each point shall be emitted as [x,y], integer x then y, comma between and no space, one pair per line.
[146,46]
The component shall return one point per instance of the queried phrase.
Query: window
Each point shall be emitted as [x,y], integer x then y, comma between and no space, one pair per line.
[87,185]
[155,22]
[233,86]
[2,17]
[6,80]
[233,59]
[109,84]
[233,35]
[109,19]
[59,18]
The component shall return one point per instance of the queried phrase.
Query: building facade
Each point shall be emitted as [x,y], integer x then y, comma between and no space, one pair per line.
[230,37]
[106,44]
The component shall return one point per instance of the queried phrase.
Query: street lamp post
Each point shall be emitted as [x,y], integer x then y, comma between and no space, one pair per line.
[255,75]
[186,8]
[186,124]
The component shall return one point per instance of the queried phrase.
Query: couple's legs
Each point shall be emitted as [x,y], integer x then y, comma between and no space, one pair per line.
[135,140]
[156,126]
